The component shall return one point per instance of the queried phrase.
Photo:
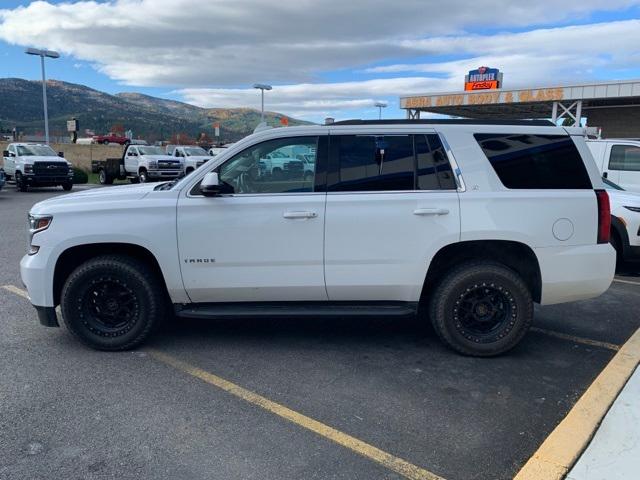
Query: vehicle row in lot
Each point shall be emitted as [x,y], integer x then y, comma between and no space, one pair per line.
[465,223]
[618,160]
[625,222]
[36,165]
[139,163]
[192,155]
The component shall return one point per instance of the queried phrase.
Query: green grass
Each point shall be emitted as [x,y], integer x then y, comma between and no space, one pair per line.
[93,178]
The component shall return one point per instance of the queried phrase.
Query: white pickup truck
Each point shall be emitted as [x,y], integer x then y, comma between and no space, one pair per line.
[36,165]
[463,223]
[618,160]
[192,155]
[139,163]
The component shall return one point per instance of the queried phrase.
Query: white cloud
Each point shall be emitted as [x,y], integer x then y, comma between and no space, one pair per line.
[191,44]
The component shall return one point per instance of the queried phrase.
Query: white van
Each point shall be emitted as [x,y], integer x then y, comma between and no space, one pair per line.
[618,160]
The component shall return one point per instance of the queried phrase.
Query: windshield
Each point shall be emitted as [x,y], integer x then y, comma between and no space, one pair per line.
[33,150]
[609,183]
[195,151]
[150,151]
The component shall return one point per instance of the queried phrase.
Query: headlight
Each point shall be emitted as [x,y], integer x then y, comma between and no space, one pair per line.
[153,164]
[37,223]
[633,209]
[28,168]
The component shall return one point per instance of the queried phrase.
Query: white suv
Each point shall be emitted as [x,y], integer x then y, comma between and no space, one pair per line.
[475,221]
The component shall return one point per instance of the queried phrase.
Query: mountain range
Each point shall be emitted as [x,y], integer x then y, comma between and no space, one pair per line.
[148,117]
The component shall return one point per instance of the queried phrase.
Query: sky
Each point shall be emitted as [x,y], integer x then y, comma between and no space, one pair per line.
[324,58]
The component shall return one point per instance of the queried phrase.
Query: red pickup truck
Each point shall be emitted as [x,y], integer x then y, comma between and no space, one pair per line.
[111,138]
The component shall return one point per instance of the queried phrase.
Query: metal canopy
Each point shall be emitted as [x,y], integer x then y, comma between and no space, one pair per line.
[571,101]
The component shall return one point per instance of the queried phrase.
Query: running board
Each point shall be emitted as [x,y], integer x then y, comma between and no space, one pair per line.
[295,310]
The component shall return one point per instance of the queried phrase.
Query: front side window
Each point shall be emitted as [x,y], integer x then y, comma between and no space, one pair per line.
[535,161]
[625,157]
[273,167]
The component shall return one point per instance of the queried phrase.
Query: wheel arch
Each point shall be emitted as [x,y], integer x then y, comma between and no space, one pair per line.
[515,255]
[618,228]
[73,257]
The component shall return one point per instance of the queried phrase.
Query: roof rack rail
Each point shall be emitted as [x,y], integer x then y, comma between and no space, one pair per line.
[448,121]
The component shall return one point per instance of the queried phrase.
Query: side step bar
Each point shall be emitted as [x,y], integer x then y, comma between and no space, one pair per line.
[295,310]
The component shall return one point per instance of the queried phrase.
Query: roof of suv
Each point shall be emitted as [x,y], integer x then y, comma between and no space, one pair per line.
[448,121]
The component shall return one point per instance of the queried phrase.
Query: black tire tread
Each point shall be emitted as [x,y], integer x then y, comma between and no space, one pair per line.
[459,274]
[129,266]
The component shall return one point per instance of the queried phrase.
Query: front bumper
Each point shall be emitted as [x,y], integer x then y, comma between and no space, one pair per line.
[46,180]
[164,173]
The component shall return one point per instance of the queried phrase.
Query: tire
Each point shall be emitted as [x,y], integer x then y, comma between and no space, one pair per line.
[67,186]
[481,309]
[134,180]
[143,177]
[113,302]
[105,142]
[20,183]
[188,171]
[616,243]
[104,178]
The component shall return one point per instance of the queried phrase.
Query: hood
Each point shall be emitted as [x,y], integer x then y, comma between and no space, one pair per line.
[623,198]
[37,158]
[121,193]
[199,157]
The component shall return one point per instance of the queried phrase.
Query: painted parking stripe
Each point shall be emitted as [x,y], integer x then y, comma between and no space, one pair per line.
[16,290]
[629,282]
[389,461]
[575,339]
[561,449]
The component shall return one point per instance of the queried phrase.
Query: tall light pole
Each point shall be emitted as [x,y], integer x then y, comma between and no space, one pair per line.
[380,106]
[42,54]
[262,87]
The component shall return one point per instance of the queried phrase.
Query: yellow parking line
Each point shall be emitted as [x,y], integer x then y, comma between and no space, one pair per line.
[561,449]
[391,462]
[629,282]
[573,338]
[16,290]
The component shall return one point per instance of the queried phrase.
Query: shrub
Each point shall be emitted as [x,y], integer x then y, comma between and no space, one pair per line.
[79,175]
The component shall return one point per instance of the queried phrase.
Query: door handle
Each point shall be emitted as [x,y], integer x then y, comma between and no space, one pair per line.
[299,214]
[430,211]
[605,174]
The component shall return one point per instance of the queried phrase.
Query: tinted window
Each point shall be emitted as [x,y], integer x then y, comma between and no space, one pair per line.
[274,166]
[535,161]
[434,170]
[373,163]
[625,157]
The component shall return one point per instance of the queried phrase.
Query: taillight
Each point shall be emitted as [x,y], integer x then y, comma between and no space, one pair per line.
[604,216]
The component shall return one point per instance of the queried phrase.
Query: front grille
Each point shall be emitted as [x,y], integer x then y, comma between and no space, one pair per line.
[50,169]
[170,165]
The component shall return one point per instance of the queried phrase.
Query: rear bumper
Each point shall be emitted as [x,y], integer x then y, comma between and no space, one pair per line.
[575,273]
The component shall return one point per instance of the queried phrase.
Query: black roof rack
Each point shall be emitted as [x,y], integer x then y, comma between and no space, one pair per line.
[448,121]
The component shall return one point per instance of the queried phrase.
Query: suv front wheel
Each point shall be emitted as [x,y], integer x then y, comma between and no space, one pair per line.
[481,309]
[112,302]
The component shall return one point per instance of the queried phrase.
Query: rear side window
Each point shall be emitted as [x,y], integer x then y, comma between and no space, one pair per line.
[625,157]
[535,161]
[389,163]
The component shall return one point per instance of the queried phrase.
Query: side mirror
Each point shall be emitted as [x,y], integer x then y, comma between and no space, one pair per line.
[210,185]
[5,153]
[61,154]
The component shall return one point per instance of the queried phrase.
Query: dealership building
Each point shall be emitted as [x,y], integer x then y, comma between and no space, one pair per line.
[614,107]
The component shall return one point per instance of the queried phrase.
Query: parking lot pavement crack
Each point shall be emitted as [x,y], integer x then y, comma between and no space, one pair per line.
[360,447]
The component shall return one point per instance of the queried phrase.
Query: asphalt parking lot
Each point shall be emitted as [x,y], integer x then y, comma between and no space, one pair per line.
[165,411]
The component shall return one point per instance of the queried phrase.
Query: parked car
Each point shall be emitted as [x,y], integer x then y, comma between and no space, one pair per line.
[625,222]
[464,223]
[36,165]
[111,138]
[193,156]
[139,163]
[618,160]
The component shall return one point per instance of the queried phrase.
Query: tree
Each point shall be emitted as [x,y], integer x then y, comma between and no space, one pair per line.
[182,138]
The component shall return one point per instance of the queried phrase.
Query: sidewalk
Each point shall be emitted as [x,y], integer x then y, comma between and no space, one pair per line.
[614,451]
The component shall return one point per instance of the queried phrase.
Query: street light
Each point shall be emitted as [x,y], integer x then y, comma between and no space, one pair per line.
[262,87]
[42,54]
[380,106]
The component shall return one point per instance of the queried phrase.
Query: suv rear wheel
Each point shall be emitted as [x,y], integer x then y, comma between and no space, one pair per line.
[112,302]
[481,309]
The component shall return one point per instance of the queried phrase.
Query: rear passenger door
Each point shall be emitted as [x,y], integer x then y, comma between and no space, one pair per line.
[392,203]
[624,160]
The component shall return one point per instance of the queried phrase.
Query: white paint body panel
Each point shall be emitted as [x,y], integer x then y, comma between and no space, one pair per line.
[601,150]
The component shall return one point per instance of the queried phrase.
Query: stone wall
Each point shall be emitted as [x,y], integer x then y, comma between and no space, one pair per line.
[82,155]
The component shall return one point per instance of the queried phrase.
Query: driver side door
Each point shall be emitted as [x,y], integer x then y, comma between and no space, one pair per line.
[263,240]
